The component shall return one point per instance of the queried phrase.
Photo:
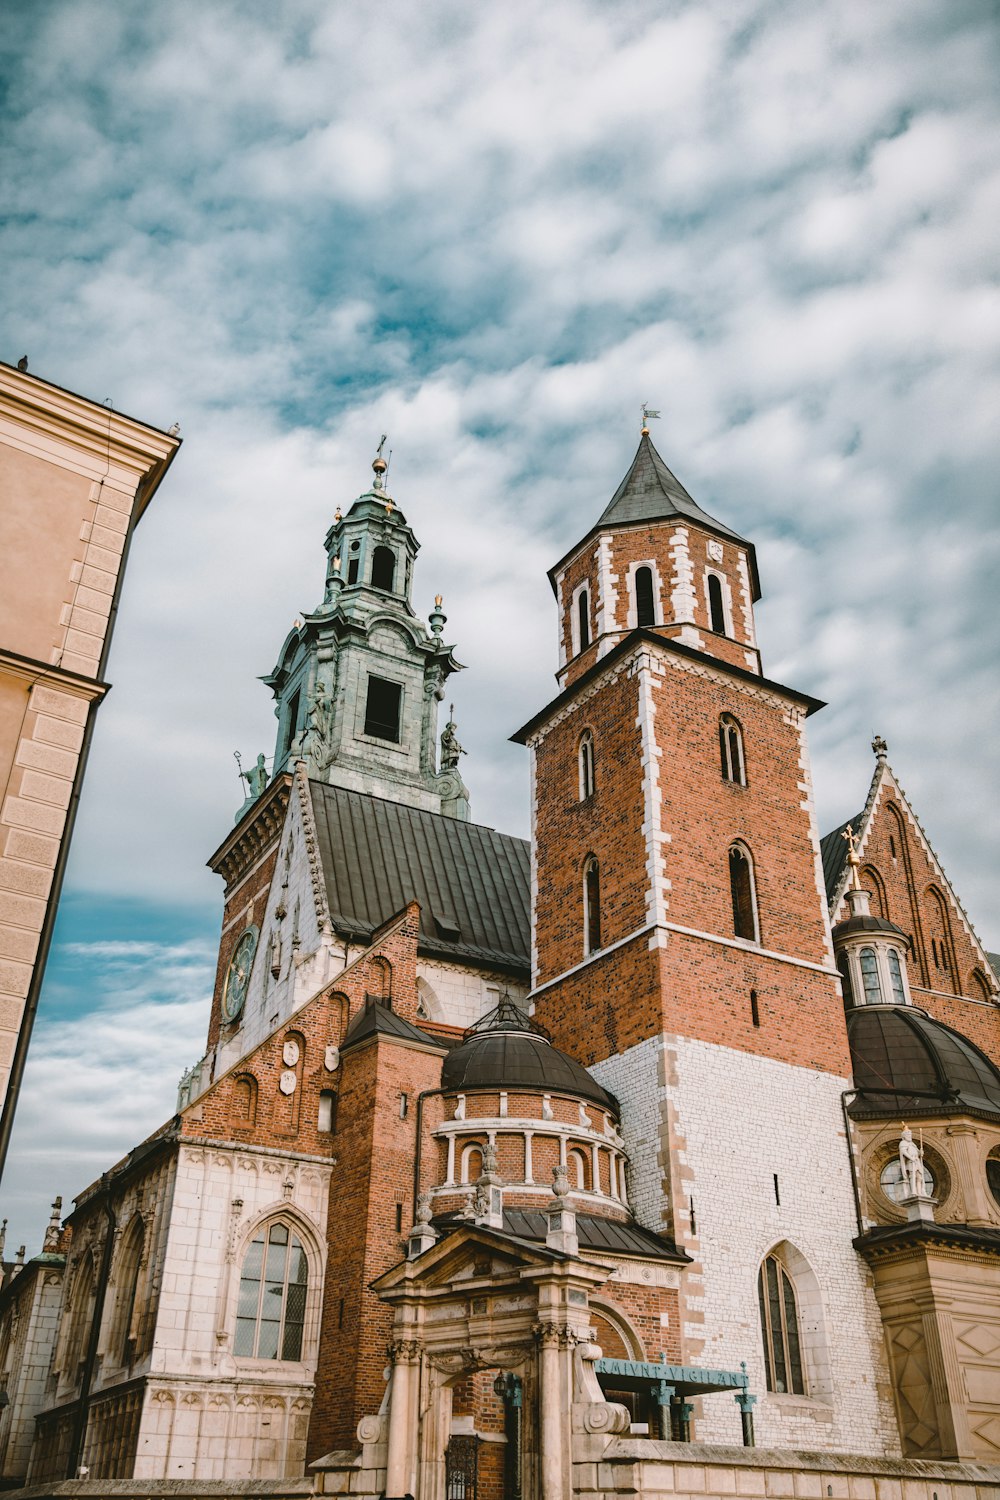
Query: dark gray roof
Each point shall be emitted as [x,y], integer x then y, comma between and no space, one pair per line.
[378,1019]
[504,1052]
[650,492]
[994,959]
[833,848]
[593,1232]
[472,883]
[905,1062]
[868,924]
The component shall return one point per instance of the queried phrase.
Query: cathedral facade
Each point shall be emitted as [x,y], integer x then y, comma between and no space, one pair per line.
[674,1124]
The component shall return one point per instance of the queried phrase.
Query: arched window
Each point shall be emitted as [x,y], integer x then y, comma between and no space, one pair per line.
[896,978]
[591,905]
[779,1323]
[381,980]
[979,986]
[586,765]
[472,1164]
[872,882]
[127,1285]
[583,619]
[741,884]
[271,1311]
[383,568]
[81,1317]
[645,600]
[245,1099]
[845,975]
[870,976]
[576,1165]
[731,751]
[716,604]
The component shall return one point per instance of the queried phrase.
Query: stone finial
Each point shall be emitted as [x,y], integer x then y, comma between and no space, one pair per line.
[423,1234]
[437,619]
[561,1220]
[51,1242]
[879,746]
[379,465]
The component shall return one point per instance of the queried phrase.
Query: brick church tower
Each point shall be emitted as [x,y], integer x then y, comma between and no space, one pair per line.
[682,947]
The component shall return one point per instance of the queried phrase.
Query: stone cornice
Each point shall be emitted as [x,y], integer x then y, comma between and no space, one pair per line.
[83,435]
[32,671]
[254,834]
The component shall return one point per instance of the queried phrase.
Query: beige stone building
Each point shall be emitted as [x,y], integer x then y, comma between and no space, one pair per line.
[75,477]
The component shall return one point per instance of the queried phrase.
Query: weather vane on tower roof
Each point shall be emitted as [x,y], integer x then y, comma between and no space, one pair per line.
[647,416]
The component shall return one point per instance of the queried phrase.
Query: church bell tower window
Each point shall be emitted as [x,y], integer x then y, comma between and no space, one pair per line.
[645,607]
[716,604]
[731,748]
[591,905]
[383,569]
[382,709]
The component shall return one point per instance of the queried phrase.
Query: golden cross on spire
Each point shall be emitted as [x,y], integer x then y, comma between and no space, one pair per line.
[853,857]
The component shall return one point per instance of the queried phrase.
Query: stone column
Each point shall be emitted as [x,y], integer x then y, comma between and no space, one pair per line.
[401,1464]
[553,1412]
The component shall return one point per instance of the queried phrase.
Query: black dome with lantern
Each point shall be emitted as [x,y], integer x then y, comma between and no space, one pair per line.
[506,1049]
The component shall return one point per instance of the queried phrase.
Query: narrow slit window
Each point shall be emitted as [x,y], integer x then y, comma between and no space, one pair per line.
[716,605]
[741,883]
[382,709]
[645,603]
[583,618]
[586,765]
[292,718]
[754,1008]
[592,905]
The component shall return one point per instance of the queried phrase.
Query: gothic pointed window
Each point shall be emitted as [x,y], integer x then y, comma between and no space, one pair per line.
[868,959]
[731,751]
[271,1310]
[744,895]
[127,1286]
[591,905]
[383,568]
[716,604]
[645,602]
[586,765]
[779,1322]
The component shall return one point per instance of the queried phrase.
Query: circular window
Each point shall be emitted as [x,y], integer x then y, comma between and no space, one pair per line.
[993,1173]
[891,1179]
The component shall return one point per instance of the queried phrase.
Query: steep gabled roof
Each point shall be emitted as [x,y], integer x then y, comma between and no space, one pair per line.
[650,492]
[471,882]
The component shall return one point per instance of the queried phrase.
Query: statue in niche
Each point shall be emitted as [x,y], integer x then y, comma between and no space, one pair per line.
[256,778]
[450,747]
[315,741]
[911,1165]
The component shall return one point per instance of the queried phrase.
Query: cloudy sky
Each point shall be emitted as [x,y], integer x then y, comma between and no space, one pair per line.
[492,232]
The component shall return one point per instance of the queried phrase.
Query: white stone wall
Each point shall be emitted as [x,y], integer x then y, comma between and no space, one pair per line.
[736,1121]
[458,996]
[204,1412]
[27,1333]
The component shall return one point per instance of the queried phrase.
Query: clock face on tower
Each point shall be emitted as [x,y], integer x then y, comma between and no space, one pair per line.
[238,976]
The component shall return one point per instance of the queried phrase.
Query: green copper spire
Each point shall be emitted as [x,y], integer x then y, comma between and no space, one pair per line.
[359,680]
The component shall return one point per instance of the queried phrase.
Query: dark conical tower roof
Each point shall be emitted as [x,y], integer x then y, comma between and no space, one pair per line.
[650,492]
